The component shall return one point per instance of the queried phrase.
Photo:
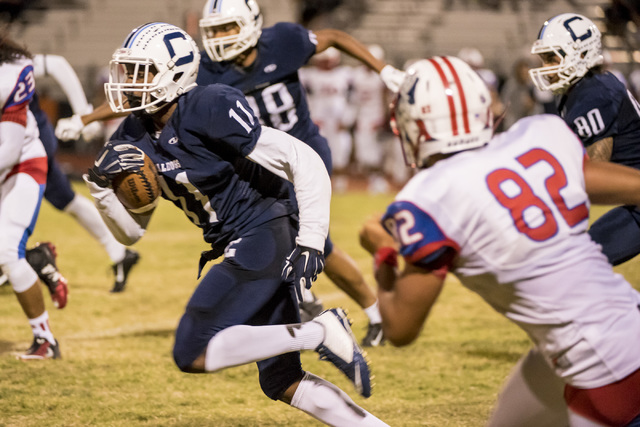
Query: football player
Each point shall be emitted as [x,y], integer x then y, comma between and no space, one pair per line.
[229,174]
[264,64]
[599,109]
[23,173]
[58,191]
[507,215]
[604,115]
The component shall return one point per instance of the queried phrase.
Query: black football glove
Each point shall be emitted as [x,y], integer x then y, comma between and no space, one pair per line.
[303,266]
[114,159]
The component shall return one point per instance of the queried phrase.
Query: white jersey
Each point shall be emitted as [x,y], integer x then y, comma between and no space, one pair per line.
[515,213]
[19,136]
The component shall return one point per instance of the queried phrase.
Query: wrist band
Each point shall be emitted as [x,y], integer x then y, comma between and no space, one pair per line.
[385,255]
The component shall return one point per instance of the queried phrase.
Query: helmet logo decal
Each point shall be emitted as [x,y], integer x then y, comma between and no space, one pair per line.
[167,41]
[573,35]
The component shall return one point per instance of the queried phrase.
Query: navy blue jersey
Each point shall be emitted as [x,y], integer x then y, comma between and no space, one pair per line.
[271,83]
[200,157]
[599,106]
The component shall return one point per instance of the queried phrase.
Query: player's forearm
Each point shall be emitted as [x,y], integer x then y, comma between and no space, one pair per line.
[101,113]
[349,45]
[612,184]
[125,226]
[406,303]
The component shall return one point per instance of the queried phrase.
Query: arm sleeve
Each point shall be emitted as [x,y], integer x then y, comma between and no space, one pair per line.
[290,158]
[57,67]
[126,226]
[422,242]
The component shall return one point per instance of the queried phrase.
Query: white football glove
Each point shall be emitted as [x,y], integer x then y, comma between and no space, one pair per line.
[92,131]
[69,129]
[392,77]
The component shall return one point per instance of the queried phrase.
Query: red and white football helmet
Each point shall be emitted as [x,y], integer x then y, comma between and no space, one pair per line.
[576,41]
[244,13]
[156,63]
[443,106]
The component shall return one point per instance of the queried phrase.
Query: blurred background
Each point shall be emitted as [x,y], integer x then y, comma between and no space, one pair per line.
[492,35]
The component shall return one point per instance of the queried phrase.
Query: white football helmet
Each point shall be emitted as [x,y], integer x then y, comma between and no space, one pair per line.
[575,39]
[443,106]
[157,63]
[244,13]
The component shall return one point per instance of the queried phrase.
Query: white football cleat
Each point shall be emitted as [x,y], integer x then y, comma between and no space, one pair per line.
[341,348]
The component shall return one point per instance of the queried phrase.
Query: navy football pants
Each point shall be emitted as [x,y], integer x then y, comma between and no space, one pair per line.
[58,191]
[618,232]
[246,289]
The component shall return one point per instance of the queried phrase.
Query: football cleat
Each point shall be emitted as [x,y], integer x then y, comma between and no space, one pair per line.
[42,258]
[121,269]
[340,347]
[374,337]
[42,349]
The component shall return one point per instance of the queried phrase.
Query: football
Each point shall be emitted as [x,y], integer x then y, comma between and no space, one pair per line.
[138,191]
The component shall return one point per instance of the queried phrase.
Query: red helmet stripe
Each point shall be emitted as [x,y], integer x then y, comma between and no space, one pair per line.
[463,99]
[452,106]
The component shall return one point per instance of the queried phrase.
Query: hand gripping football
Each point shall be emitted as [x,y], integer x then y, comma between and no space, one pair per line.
[138,191]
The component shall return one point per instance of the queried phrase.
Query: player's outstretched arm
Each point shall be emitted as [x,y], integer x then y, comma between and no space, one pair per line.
[391,76]
[127,225]
[70,128]
[611,184]
[406,297]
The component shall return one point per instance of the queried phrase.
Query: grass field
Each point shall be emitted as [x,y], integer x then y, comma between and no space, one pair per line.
[117,368]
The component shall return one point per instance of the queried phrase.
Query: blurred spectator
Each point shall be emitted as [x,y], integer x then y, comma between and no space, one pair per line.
[474,58]
[518,94]
[327,84]
[609,65]
[369,100]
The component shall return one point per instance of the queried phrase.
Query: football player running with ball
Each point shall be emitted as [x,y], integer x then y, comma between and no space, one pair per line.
[264,64]
[507,215]
[229,175]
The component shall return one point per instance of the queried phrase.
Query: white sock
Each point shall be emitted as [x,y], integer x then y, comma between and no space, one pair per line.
[373,313]
[40,327]
[88,216]
[242,344]
[327,403]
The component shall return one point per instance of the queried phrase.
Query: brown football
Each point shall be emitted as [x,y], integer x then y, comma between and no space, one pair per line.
[138,191]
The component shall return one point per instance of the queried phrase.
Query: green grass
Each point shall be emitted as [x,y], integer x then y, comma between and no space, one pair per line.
[117,368]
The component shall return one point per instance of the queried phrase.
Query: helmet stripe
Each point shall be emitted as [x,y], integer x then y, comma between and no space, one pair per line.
[129,41]
[463,99]
[447,89]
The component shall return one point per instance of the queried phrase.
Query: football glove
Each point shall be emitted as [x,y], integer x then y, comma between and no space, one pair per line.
[392,77]
[303,266]
[114,159]
[70,128]
[92,131]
